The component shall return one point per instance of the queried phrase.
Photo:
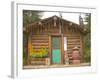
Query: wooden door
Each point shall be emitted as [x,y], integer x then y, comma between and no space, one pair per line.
[56,50]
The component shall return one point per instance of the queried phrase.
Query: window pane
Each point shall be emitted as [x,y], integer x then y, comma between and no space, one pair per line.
[56,42]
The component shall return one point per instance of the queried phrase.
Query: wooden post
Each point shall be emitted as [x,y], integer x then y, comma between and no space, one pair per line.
[62,49]
[29,48]
[82,54]
[50,55]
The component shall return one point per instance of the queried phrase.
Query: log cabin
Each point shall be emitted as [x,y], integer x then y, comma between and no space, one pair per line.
[57,35]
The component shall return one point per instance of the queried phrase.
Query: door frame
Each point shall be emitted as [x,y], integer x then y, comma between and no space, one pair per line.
[62,47]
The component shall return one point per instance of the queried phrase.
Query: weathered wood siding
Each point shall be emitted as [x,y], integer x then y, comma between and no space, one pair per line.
[41,33]
[40,39]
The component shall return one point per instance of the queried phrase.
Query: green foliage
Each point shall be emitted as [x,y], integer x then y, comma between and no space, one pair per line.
[87,55]
[87,39]
[87,48]
[43,52]
[30,16]
[24,56]
[88,21]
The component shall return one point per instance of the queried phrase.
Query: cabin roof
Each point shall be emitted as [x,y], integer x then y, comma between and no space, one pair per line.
[46,20]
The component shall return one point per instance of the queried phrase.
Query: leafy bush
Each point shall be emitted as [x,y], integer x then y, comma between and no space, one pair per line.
[87,55]
[41,53]
[87,48]
[24,56]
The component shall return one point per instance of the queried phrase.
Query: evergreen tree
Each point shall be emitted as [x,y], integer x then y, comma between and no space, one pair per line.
[29,17]
[87,38]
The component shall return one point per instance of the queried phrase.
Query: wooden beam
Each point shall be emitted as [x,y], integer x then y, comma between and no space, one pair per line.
[82,46]
[50,54]
[62,49]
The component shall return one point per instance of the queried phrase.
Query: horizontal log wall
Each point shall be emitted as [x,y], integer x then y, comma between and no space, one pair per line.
[40,41]
[73,35]
[73,40]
